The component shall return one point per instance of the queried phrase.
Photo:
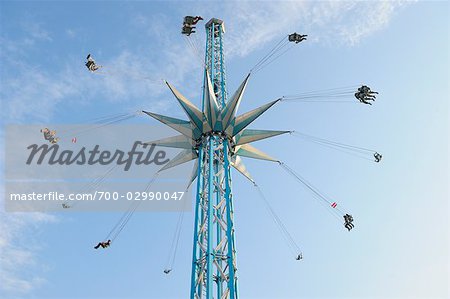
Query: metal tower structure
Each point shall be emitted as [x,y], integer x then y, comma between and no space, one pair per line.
[216,139]
[214,252]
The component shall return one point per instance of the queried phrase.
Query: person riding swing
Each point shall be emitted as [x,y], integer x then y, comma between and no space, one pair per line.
[90,64]
[348,222]
[103,244]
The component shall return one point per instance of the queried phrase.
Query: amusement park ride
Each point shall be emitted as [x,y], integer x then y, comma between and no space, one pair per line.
[216,138]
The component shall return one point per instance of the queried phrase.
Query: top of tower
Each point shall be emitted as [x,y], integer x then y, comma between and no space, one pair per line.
[216,22]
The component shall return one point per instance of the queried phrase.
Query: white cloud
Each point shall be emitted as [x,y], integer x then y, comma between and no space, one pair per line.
[133,76]
[17,285]
[376,17]
[32,95]
[19,271]
[33,92]
[251,25]
[36,32]
[35,95]
[20,268]
[71,33]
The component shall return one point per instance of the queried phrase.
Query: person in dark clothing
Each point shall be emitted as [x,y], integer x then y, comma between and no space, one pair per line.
[348,222]
[103,244]
[187,30]
[377,157]
[90,64]
[190,20]
[295,37]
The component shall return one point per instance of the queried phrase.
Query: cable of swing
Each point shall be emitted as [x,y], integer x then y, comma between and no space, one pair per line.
[333,142]
[175,241]
[101,178]
[314,96]
[117,72]
[275,58]
[120,225]
[105,124]
[306,96]
[284,231]
[270,58]
[195,51]
[95,183]
[306,184]
[262,62]
[352,151]
[327,90]
[325,101]
[320,99]
[348,152]
[124,215]
[125,222]
[101,123]
[271,51]
[106,117]
[264,58]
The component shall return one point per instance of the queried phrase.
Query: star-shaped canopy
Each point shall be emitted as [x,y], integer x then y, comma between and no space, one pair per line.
[214,119]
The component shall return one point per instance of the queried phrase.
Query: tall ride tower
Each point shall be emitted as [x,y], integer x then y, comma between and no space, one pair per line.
[216,138]
[214,253]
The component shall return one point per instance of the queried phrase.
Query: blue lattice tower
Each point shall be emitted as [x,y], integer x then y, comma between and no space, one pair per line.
[216,139]
[214,254]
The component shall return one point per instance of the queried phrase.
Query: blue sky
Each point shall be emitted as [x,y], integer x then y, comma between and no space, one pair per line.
[399,248]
